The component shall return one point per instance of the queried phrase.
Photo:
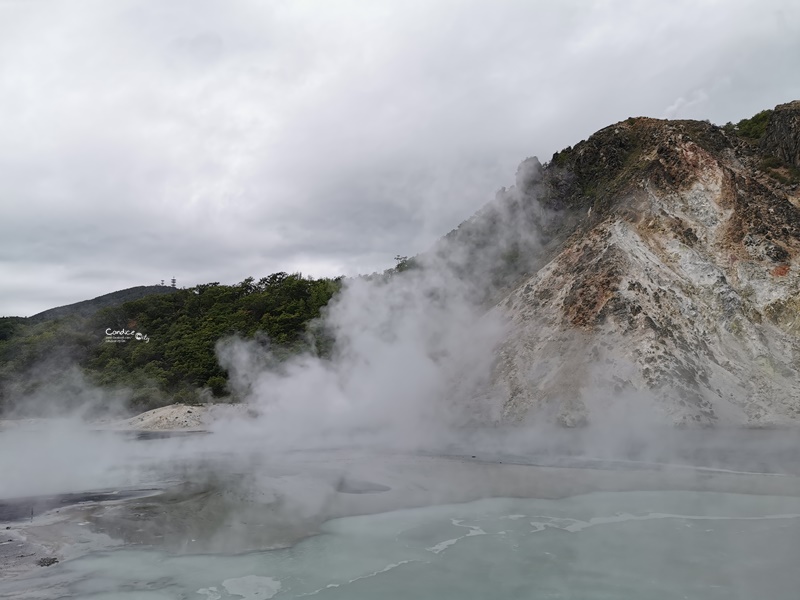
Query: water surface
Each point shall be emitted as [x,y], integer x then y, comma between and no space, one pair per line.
[628,545]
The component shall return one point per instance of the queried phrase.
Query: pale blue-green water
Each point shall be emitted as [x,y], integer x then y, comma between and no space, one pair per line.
[632,545]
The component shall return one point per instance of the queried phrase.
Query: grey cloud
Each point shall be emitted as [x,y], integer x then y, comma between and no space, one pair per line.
[215,140]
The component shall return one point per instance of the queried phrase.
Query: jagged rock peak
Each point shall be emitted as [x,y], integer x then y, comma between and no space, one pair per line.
[529,173]
[782,137]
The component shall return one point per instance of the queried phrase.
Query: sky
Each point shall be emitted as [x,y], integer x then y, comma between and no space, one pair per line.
[212,140]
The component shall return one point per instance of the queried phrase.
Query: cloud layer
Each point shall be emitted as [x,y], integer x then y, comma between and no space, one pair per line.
[215,140]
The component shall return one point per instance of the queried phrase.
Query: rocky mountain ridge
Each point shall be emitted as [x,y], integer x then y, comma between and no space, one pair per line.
[672,291]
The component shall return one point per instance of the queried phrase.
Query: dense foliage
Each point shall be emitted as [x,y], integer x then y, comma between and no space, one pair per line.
[178,361]
[752,128]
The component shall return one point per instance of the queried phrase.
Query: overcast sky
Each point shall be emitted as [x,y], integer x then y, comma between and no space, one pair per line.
[213,140]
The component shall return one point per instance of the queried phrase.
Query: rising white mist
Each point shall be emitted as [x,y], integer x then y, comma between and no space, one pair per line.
[414,349]
[412,355]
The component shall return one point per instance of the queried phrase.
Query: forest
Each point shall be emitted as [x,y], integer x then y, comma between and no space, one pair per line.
[163,346]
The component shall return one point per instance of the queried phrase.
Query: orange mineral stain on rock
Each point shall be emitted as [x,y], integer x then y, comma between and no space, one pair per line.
[780,271]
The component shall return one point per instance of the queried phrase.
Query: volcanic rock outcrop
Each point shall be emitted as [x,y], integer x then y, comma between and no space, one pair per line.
[782,138]
[667,281]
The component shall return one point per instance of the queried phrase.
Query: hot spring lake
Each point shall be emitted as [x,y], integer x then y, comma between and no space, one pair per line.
[358,524]
[615,545]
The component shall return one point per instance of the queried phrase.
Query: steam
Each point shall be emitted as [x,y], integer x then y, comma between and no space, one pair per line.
[412,352]
[414,349]
[59,389]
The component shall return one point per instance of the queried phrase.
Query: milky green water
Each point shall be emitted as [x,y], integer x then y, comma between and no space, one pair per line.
[642,545]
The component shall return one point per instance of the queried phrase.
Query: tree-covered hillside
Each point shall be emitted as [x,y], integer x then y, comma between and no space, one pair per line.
[87,308]
[175,357]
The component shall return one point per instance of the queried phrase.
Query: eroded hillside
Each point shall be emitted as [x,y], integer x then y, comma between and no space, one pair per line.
[677,294]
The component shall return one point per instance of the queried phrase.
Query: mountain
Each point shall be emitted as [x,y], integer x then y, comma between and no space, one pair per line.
[87,308]
[666,284]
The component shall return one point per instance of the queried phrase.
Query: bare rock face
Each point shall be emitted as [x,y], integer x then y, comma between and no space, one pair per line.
[676,297]
[782,138]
